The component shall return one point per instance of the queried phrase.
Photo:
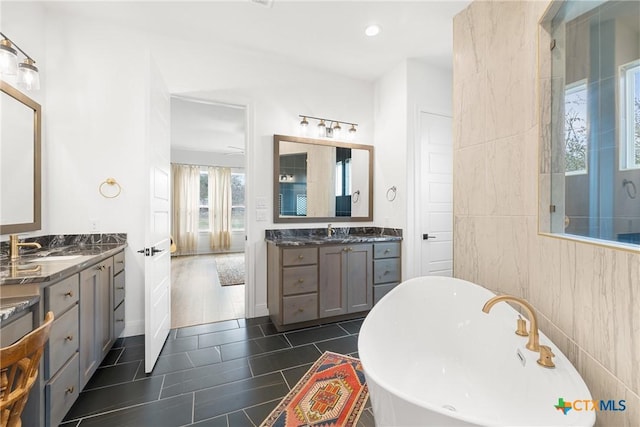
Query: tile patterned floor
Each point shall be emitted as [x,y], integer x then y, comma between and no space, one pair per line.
[230,373]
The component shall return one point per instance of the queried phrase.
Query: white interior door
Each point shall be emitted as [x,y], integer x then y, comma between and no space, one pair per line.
[157,266]
[435,208]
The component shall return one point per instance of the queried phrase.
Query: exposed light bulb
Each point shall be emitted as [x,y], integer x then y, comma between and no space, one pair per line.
[322,129]
[337,130]
[28,77]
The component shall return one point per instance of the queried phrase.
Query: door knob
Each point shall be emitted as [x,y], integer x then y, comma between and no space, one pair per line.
[427,237]
[155,251]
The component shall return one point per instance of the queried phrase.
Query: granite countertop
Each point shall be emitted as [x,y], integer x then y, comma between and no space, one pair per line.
[47,265]
[341,235]
[12,306]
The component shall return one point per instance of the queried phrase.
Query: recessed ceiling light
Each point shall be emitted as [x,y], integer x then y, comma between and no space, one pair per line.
[372,30]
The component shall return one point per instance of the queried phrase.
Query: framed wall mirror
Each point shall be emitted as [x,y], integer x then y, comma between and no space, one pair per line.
[20,162]
[318,180]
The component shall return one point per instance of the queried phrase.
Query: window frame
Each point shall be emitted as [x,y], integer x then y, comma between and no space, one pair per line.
[627,135]
[570,89]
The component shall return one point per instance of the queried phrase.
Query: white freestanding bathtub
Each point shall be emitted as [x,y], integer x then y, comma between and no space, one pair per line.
[432,358]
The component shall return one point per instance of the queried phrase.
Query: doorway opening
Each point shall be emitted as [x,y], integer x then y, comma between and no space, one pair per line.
[208,141]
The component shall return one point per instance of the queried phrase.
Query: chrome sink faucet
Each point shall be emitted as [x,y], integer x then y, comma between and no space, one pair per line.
[14,248]
[534,341]
[330,230]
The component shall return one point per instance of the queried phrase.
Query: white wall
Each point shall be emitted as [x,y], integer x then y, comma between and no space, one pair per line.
[95,108]
[410,87]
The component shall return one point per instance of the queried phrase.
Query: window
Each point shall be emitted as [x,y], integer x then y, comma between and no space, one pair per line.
[630,134]
[575,128]
[237,201]
[204,201]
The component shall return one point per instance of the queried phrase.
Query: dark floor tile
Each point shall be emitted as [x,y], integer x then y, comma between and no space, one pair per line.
[239,419]
[343,345]
[206,328]
[253,347]
[293,375]
[232,335]
[205,377]
[118,343]
[166,364]
[132,353]
[112,357]
[262,320]
[356,355]
[306,336]
[238,395]
[283,359]
[269,329]
[258,413]
[172,412]
[112,375]
[352,326]
[134,340]
[205,356]
[366,419]
[115,397]
[220,421]
[70,424]
[179,345]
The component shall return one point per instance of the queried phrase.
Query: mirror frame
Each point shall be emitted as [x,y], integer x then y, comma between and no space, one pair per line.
[330,143]
[36,224]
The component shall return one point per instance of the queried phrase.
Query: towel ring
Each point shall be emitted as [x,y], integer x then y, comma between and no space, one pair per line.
[391,193]
[110,181]
[626,183]
[355,196]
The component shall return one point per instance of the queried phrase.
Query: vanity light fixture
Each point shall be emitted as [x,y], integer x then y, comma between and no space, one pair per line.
[324,131]
[27,73]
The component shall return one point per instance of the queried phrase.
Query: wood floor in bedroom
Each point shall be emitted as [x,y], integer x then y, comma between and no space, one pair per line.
[197,296]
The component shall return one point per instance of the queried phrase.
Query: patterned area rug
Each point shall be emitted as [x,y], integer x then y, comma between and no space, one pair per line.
[230,268]
[332,393]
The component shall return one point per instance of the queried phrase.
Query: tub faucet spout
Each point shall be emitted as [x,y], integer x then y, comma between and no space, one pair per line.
[534,342]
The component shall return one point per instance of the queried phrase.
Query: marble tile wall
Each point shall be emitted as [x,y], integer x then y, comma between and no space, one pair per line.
[587,296]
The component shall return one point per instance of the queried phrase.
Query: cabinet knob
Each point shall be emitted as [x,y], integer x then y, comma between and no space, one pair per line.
[300,310]
[69,294]
[68,338]
[119,262]
[101,267]
[120,288]
[386,251]
[300,256]
[119,320]
[70,390]
[300,280]
[386,272]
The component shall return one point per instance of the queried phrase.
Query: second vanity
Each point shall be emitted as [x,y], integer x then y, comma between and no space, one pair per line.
[82,281]
[315,278]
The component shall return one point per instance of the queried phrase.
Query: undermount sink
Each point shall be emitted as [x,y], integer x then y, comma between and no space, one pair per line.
[56,258]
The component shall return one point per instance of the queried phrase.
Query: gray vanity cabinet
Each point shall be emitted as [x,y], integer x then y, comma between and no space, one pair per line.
[386,268]
[345,279]
[96,317]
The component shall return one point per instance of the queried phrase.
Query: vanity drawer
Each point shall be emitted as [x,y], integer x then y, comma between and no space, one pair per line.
[299,280]
[299,256]
[118,320]
[386,250]
[63,341]
[381,290]
[118,262]
[118,289]
[62,391]
[16,329]
[299,308]
[386,270]
[62,295]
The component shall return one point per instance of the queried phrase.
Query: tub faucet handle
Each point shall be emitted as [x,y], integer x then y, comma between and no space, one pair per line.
[522,327]
[546,357]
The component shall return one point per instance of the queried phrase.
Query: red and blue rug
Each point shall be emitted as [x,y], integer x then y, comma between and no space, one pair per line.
[333,392]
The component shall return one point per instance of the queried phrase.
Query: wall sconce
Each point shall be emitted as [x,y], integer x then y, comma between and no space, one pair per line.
[334,130]
[27,73]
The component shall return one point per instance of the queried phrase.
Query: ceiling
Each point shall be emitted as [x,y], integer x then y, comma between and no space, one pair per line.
[322,34]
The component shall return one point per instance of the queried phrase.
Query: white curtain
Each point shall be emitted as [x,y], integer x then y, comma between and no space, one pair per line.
[186,207]
[220,208]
